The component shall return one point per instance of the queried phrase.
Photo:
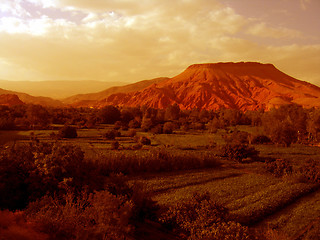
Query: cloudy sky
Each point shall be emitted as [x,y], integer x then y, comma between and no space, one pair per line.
[131,40]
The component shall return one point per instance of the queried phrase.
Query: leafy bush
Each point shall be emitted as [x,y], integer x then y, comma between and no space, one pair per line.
[281,132]
[134,124]
[99,215]
[144,140]
[7,123]
[108,214]
[309,172]
[28,172]
[131,133]
[115,145]
[279,167]
[109,114]
[168,127]
[117,125]
[68,132]
[260,139]
[237,137]
[14,226]
[158,129]
[237,152]
[203,218]
[112,134]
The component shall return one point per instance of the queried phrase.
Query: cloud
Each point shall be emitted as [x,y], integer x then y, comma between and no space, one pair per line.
[304,4]
[261,29]
[133,40]
[13,7]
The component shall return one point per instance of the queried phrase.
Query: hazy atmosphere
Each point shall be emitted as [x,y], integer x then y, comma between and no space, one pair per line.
[128,41]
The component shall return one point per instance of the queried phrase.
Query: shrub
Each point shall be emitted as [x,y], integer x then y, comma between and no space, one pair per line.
[28,172]
[143,206]
[309,172]
[281,132]
[238,137]
[7,124]
[168,127]
[131,133]
[136,146]
[203,218]
[108,214]
[238,152]
[279,167]
[109,114]
[260,139]
[147,124]
[134,124]
[15,226]
[68,132]
[157,129]
[112,134]
[144,140]
[99,215]
[117,125]
[115,145]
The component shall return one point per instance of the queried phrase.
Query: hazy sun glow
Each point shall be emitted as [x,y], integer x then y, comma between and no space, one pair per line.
[127,40]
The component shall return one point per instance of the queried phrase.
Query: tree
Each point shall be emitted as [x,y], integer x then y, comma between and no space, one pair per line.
[68,132]
[38,116]
[238,152]
[284,124]
[168,127]
[282,133]
[313,125]
[110,114]
[172,112]
[147,124]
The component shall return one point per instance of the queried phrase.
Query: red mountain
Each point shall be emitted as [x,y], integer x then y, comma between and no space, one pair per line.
[10,100]
[243,85]
[28,99]
[86,100]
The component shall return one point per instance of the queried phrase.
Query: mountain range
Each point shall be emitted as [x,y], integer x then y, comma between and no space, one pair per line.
[57,89]
[242,85]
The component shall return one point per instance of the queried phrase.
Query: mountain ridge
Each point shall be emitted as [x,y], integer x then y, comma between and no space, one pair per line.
[28,99]
[242,85]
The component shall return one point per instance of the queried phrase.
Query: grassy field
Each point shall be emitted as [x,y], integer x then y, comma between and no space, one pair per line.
[253,196]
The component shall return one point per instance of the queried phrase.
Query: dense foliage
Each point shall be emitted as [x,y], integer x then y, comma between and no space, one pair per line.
[285,125]
[203,218]
[238,152]
[28,172]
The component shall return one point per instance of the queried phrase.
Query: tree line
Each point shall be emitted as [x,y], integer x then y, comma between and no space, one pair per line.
[284,125]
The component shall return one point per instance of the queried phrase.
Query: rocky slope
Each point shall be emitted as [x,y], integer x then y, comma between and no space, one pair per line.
[84,100]
[243,85]
[26,98]
[10,100]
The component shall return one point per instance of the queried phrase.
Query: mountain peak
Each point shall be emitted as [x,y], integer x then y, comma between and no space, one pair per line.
[10,100]
[236,85]
[230,64]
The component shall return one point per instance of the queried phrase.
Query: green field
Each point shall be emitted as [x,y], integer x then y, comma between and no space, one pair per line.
[253,196]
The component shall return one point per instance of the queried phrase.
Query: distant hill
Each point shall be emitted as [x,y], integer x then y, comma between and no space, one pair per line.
[26,98]
[10,100]
[83,100]
[243,86]
[57,89]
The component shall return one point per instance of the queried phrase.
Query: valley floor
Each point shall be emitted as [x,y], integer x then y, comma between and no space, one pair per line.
[282,206]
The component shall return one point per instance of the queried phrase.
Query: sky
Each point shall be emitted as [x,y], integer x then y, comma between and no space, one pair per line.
[130,40]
